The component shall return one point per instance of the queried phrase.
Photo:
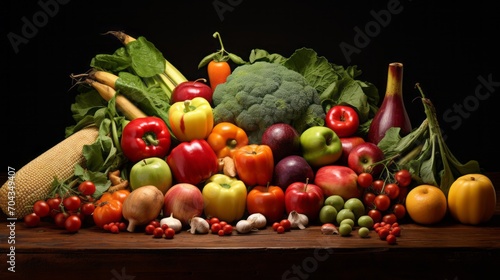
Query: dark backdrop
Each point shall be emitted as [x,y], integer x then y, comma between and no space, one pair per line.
[451,49]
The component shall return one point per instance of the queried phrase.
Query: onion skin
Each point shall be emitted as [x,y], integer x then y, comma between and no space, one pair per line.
[392,112]
[142,206]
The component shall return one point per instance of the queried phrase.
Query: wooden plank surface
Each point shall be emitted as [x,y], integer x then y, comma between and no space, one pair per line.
[445,251]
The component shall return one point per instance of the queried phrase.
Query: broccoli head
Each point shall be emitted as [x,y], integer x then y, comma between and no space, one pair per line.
[257,95]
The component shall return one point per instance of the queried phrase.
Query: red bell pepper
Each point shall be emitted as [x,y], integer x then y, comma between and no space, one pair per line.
[193,162]
[145,137]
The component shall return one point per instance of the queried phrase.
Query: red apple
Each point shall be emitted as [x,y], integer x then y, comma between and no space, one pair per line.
[347,144]
[283,139]
[365,157]
[305,198]
[191,89]
[338,180]
[184,201]
[292,169]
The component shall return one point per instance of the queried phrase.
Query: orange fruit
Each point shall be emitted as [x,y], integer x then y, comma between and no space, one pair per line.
[426,204]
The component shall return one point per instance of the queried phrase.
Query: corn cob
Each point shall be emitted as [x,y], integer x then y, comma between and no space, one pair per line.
[34,180]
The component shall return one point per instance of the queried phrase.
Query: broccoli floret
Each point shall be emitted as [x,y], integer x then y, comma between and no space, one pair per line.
[258,95]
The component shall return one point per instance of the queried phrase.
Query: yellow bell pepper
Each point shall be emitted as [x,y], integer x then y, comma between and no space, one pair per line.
[224,198]
[191,119]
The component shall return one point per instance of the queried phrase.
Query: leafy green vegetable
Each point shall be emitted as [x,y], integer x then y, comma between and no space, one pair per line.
[335,84]
[425,153]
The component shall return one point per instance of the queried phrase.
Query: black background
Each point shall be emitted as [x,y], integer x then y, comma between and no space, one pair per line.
[444,46]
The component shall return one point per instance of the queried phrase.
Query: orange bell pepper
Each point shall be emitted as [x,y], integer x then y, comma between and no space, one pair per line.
[226,138]
[254,164]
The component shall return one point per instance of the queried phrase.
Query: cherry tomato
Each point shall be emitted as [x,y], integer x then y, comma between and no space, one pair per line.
[72,203]
[114,229]
[32,220]
[368,199]
[382,202]
[87,208]
[383,233]
[169,233]
[378,185]
[59,219]
[213,220]
[396,231]
[403,177]
[365,179]
[155,223]
[228,229]
[86,187]
[158,232]
[399,210]
[41,208]
[375,214]
[280,229]
[149,229]
[54,202]
[286,224]
[391,239]
[73,223]
[275,225]
[389,219]
[215,227]
[391,190]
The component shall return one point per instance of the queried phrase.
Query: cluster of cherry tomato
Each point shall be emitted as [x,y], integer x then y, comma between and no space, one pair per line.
[159,231]
[388,232]
[222,228]
[69,212]
[282,226]
[384,199]
[115,227]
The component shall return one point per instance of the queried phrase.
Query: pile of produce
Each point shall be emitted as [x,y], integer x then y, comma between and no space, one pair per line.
[277,141]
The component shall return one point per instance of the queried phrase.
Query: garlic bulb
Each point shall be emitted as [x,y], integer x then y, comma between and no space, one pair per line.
[172,222]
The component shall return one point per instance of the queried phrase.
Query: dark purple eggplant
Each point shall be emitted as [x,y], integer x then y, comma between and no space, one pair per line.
[392,112]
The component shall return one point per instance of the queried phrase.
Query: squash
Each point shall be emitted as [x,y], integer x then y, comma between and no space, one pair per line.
[472,199]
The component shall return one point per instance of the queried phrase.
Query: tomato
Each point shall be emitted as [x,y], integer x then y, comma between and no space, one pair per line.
[158,232]
[59,219]
[382,202]
[72,203]
[73,223]
[54,202]
[41,208]
[389,218]
[286,224]
[213,220]
[86,187]
[368,199]
[215,227]
[391,190]
[276,225]
[268,201]
[107,212]
[228,229]
[32,220]
[169,233]
[391,239]
[365,179]
[403,177]
[399,210]
[149,229]
[375,214]
[280,229]
[378,185]
[342,119]
[396,230]
[87,208]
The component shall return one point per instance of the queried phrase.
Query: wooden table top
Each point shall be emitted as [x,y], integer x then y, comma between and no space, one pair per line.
[448,250]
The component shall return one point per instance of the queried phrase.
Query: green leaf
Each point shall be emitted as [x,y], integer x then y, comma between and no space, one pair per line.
[206,60]
[147,60]
[116,62]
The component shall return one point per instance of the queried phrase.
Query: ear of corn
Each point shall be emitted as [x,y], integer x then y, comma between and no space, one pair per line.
[33,181]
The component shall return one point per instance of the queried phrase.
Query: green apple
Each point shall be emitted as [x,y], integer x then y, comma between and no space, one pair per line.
[320,146]
[151,171]
[336,201]
[356,206]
